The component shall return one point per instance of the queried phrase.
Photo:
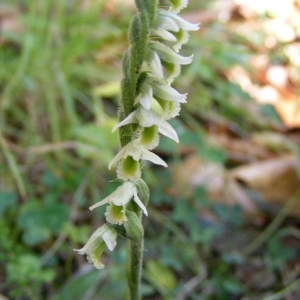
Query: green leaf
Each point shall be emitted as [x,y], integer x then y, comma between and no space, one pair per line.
[41,220]
[26,269]
[7,200]
[79,286]
[161,277]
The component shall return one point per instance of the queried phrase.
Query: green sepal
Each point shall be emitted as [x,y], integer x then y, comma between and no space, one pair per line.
[152,10]
[142,5]
[126,62]
[143,191]
[138,37]
[134,227]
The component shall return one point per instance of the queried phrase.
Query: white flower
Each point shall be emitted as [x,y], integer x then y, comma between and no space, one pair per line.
[151,88]
[164,34]
[138,152]
[178,5]
[155,65]
[148,118]
[173,28]
[104,236]
[166,23]
[121,196]
[145,96]
[167,54]
[166,92]
[167,17]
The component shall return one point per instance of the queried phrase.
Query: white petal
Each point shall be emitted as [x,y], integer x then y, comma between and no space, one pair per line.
[138,201]
[169,55]
[167,23]
[128,120]
[168,93]
[164,34]
[88,247]
[147,118]
[150,156]
[182,23]
[110,238]
[146,97]
[167,130]
[156,67]
[121,196]
[100,203]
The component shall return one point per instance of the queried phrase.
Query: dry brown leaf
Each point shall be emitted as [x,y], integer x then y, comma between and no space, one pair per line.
[275,179]
[220,187]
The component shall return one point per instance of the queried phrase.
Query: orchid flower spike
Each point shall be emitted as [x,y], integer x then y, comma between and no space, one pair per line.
[150,65]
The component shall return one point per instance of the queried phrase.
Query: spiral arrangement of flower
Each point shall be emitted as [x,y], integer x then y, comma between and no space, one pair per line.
[150,65]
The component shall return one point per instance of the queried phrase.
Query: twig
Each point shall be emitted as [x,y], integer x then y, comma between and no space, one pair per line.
[191,285]
[13,166]
[284,292]
[256,243]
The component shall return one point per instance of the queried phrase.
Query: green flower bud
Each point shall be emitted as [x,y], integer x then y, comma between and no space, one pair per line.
[134,227]
[143,191]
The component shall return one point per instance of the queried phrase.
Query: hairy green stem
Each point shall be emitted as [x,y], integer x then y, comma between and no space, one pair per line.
[136,249]
[132,63]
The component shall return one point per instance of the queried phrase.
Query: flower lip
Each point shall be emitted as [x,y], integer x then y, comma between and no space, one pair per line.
[178,5]
[128,169]
[115,214]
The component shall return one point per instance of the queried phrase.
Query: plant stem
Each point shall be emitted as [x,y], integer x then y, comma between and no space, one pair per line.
[136,249]
[132,63]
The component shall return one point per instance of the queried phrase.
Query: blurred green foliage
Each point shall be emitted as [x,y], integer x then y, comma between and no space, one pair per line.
[59,88]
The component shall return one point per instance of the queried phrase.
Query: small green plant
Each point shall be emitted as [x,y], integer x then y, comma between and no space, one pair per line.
[148,102]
